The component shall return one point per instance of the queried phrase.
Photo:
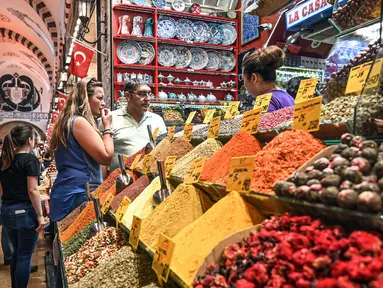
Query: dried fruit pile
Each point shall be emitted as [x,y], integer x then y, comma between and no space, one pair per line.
[351,178]
[299,252]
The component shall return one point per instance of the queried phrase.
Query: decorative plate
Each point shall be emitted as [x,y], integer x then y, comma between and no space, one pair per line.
[228,61]
[178,5]
[229,34]
[159,3]
[201,31]
[199,58]
[214,60]
[232,14]
[140,2]
[195,8]
[147,54]
[183,57]
[166,27]
[129,52]
[166,56]
[184,30]
[216,33]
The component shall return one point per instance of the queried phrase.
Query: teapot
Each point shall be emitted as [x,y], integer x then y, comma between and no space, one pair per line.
[140,76]
[162,95]
[223,85]
[133,76]
[211,98]
[147,78]
[160,77]
[209,83]
[119,77]
[181,97]
[192,97]
[126,77]
[177,81]
[172,96]
[229,97]
[187,81]
[196,83]
[201,98]
[231,83]
[170,78]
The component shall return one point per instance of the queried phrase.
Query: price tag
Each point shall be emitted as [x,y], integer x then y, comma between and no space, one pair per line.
[250,121]
[307,114]
[122,209]
[209,115]
[169,164]
[214,126]
[106,205]
[306,90]
[135,162]
[163,257]
[195,170]
[155,133]
[357,78]
[232,110]
[171,131]
[134,237]
[147,163]
[190,117]
[263,102]
[373,79]
[188,132]
[240,173]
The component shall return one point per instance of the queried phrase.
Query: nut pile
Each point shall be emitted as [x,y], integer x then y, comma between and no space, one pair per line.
[228,127]
[369,107]
[276,118]
[339,109]
[171,116]
[351,178]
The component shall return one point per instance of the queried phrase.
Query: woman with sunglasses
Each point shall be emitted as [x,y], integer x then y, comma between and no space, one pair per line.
[79,148]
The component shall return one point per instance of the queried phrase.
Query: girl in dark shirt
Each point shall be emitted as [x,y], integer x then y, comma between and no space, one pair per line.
[21,212]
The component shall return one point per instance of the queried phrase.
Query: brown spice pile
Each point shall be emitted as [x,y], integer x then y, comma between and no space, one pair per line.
[109,182]
[164,145]
[64,223]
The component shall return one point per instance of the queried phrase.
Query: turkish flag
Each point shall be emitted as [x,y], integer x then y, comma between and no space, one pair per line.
[80,60]
[62,101]
[55,116]
[50,130]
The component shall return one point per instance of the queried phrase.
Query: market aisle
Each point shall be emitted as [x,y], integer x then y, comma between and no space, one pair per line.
[37,279]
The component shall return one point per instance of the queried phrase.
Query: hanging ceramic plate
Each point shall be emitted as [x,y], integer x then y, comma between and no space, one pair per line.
[166,56]
[166,27]
[183,56]
[228,61]
[178,5]
[229,34]
[216,33]
[147,53]
[201,31]
[184,30]
[195,8]
[159,3]
[129,52]
[214,60]
[199,58]
[140,2]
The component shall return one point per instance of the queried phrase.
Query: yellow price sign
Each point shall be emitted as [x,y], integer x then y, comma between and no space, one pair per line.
[122,208]
[163,257]
[171,131]
[106,205]
[373,79]
[306,90]
[147,163]
[190,117]
[135,162]
[209,115]
[134,237]
[357,78]
[195,170]
[169,164]
[263,102]
[250,121]
[307,114]
[214,126]
[240,173]
[188,132]
[232,110]
[155,133]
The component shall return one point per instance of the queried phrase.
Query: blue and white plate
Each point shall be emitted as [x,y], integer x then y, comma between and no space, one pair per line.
[159,3]
[201,31]
[228,61]
[183,57]
[214,60]
[166,56]
[166,27]
[184,30]
[140,2]
[216,33]
[199,58]
[129,52]
[229,34]
[147,53]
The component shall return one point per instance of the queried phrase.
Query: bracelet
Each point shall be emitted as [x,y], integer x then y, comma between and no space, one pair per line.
[107,132]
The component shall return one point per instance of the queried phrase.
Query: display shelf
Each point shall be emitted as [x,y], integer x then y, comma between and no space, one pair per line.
[201,17]
[134,8]
[300,68]
[195,44]
[192,87]
[343,33]
[192,71]
[123,84]
[135,66]
[135,38]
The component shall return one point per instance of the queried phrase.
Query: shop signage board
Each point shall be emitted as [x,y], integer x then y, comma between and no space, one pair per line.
[134,237]
[357,78]
[190,117]
[214,126]
[263,102]
[195,170]
[250,121]
[171,131]
[188,132]
[105,206]
[307,114]
[240,173]
[135,162]
[163,257]
[306,90]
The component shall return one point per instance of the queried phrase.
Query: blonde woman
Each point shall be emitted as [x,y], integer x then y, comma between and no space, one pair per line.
[79,148]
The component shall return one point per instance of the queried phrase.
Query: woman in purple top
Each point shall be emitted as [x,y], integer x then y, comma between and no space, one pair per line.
[259,74]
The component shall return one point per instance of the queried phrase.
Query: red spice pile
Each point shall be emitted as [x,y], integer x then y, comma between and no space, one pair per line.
[108,183]
[281,157]
[217,167]
[299,252]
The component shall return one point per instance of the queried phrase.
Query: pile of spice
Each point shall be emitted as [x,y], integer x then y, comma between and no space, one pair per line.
[299,252]
[130,160]
[193,243]
[64,224]
[142,206]
[165,135]
[109,182]
[281,157]
[276,118]
[205,149]
[131,192]
[228,127]
[77,241]
[164,145]
[339,109]
[125,268]
[95,250]
[217,167]
[112,190]
[195,128]
[176,212]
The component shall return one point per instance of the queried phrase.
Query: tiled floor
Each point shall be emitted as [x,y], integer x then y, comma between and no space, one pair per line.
[37,279]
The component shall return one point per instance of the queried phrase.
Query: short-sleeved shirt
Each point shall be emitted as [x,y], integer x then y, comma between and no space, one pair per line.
[280,99]
[14,180]
[129,136]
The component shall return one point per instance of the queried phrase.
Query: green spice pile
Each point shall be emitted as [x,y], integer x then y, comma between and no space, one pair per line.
[77,241]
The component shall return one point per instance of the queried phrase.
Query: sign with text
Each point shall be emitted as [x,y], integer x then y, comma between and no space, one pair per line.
[134,237]
[209,115]
[232,110]
[163,257]
[373,79]
[169,164]
[171,131]
[307,114]
[190,117]
[357,78]
[135,162]
[124,205]
[214,126]
[105,206]
[155,133]
[263,102]
[240,173]
[148,158]
[306,90]
[188,132]
[250,121]
[195,170]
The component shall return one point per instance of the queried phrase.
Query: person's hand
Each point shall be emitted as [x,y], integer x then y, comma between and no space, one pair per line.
[43,222]
[106,118]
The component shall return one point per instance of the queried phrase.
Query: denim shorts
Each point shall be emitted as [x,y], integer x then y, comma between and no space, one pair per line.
[19,216]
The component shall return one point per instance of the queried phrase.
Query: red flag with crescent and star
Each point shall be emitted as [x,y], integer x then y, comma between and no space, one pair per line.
[55,116]
[80,61]
[61,101]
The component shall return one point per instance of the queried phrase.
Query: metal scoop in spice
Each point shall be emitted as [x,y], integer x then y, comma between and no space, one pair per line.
[151,143]
[99,225]
[160,195]
[123,180]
